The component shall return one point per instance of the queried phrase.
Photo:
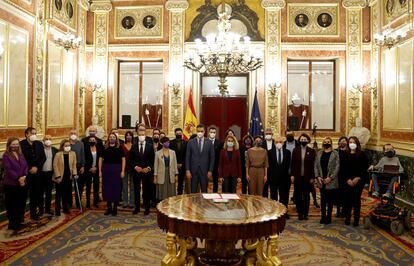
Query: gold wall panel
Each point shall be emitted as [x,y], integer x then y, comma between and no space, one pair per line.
[393,9]
[3,90]
[139,22]
[191,13]
[67,92]
[64,11]
[313,20]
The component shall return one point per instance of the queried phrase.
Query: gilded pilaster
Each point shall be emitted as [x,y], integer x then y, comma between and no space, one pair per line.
[83,6]
[273,61]
[39,68]
[176,9]
[375,52]
[354,58]
[101,9]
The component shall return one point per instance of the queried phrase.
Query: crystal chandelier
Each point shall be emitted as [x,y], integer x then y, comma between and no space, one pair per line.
[386,39]
[67,41]
[223,54]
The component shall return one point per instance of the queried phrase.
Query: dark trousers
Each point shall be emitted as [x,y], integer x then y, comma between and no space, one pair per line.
[95,183]
[229,185]
[146,180]
[302,190]
[284,189]
[34,185]
[244,180]
[47,185]
[15,202]
[215,181]
[181,178]
[198,178]
[353,201]
[266,188]
[327,201]
[63,194]
[85,181]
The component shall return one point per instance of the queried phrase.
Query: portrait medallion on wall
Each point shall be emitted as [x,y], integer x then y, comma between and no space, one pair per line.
[313,20]
[394,9]
[63,11]
[139,22]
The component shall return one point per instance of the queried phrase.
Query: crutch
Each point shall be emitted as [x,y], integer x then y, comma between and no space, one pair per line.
[77,192]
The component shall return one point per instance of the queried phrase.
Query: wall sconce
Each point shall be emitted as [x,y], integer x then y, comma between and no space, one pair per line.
[175,88]
[389,40]
[365,87]
[90,86]
[274,87]
[67,41]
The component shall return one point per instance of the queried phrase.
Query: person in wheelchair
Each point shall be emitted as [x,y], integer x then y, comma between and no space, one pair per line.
[389,167]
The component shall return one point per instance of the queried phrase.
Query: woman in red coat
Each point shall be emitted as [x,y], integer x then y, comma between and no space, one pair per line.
[230,165]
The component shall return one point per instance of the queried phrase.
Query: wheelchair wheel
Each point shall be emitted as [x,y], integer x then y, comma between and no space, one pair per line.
[367,222]
[407,220]
[397,227]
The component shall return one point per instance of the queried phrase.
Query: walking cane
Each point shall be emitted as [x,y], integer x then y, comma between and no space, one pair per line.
[77,192]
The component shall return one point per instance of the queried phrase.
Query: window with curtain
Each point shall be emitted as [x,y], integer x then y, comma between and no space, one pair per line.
[311,95]
[140,95]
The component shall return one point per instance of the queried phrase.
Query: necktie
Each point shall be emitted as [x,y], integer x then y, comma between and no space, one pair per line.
[199,145]
[279,159]
[141,149]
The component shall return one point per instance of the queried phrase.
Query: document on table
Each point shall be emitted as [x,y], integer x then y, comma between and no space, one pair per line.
[211,196]
[230,196]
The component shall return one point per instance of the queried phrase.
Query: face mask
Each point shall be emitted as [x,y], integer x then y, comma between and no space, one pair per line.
[156,139]
[290,138]
[342,146]
[390,154]
[129,138]
[141,138]
[200,134]
[92,143]
[326,145]
[279,146]
[166,145]
[304,143]
[66,149]
[14,148]
[352,146]
[33,138]
[259,143]
[248,143]
[48,142]
[230,144]
[112,141]
[178,136]
[212,135]
[73,137]
[268,137]
[92,133]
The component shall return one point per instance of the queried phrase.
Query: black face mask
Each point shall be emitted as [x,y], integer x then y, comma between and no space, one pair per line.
[156,140]
[92,144]
[290,138]
[304,143]
[259,143]
[178,136]
[390,154]
[327,145]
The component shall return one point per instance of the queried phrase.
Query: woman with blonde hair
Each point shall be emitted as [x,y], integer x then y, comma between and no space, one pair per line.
[15,171]
[230,165]
[256,167]
[64,167]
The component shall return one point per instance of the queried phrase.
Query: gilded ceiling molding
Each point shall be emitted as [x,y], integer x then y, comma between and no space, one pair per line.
[39,68]
[101,11]
[375,53]
[176,9]
[354,59]
[273,61]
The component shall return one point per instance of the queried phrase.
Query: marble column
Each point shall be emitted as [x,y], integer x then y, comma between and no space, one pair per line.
[375,53]
[273,62]
[83,7]
[176,9]
[354,59]
[101,9]
[39,68]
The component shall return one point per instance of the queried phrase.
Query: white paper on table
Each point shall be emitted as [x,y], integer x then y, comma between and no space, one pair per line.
[230,196]
[211,196]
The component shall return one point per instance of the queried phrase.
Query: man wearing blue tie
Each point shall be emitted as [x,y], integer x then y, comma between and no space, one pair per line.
[199,161]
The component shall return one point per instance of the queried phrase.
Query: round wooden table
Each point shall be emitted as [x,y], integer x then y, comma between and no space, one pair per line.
[254,220]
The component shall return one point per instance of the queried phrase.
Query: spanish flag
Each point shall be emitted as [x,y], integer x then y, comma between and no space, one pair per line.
[190,122]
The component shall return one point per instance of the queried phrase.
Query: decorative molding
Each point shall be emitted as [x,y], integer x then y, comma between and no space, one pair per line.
[101,6]
[393,10]
[39,69]
[66,14]
[375,53]
[134,48]
[84,4]
[354,3]
[82,79]
[177,5]
[18,11]
[273,5]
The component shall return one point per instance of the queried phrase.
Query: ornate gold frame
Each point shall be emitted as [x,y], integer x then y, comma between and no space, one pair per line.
[399,11]
[61,16]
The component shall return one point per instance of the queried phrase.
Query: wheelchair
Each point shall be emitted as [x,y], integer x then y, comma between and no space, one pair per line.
[386,214]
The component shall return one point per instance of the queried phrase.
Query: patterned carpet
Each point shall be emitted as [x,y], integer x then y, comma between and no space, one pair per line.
[94,239]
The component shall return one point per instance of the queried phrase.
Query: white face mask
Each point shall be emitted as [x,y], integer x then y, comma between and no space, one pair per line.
[141,138]
[212,135]
[230,144]
[33,138]
[200,134]
[352,146]
[66,149]
[279,146]
[73,137]
[268,137]
[48,143]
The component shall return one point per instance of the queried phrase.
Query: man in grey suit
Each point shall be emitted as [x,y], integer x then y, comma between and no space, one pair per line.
[199,160]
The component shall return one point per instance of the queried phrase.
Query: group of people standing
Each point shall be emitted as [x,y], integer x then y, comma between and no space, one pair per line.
[161,168]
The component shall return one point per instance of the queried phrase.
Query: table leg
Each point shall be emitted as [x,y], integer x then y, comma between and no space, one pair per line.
[178,257]
[266,253]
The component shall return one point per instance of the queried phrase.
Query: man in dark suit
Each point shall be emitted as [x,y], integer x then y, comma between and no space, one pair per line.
[212,133]
[278,172]
[142,127]
[269,145]
[199,161]
[92,132]
[142,162]
[47,173]
[180,146]
[34,154]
